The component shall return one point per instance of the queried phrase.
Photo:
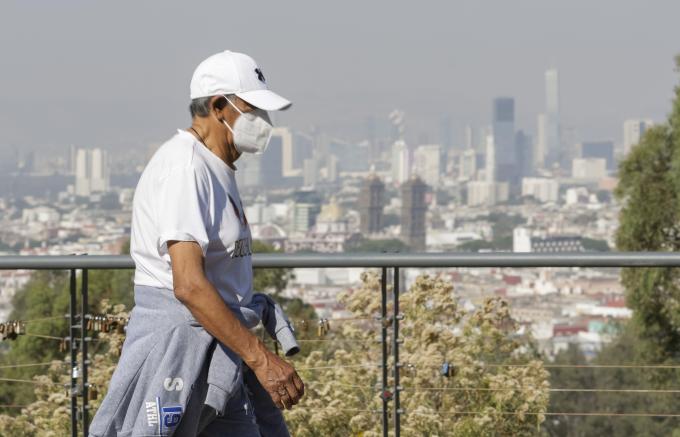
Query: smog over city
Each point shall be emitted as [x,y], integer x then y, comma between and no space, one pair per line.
[475,130]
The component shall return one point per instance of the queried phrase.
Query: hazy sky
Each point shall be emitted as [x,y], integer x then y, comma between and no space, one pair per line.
[116,74]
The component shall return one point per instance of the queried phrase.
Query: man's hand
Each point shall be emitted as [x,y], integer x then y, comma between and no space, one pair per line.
[280,379]
[194,290]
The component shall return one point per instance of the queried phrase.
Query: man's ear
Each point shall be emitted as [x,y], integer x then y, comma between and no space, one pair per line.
[218,103]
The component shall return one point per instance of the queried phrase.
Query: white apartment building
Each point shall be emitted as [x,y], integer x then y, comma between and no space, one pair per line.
[542,189]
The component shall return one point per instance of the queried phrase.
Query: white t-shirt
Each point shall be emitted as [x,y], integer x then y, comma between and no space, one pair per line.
[187,193]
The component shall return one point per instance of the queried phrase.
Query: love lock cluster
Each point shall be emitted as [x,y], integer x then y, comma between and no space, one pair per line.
[323,326]
[106,323]
[12,329]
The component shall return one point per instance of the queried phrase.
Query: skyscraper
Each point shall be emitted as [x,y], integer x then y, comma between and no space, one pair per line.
[633,130]
[490,160]
[427,163]
[306,208]
[401,162]
[99,178]
[469,137]
[598,149]
[540,151]
[304,149]
[82,173]
[371,203]
[524,153]
[310,171]
[504,139]
[552,147]
[284,136]
[91,171]
[468,165]
[413,211]
[273,161]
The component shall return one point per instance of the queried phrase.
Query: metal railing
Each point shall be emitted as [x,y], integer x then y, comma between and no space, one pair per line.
[387,262]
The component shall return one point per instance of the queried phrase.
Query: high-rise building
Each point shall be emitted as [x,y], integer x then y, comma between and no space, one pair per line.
[249,172]
[540,151]
[483,193]
[468,165]
[284,137]
[598,149]
[504,139]
[303,149]
[490,160]
[273,160]
[427,163]
[306,208]
[401,162]
[633,131]
[470,137]
[359,152]
[82,173]
[371,204]
[100,171]
[413,212]
[332,168]
[310,172]
[542,189]
[91,171]
[72,158]
[589,168]
[524,151]
[549,148]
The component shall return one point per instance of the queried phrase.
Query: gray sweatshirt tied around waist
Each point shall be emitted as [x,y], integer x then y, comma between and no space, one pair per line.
[163,355]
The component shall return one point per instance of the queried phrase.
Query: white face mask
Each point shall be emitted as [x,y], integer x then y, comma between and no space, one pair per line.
[251,131]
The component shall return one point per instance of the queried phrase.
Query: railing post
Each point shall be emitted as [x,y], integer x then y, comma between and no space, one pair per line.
[395,351]
[83,350]
[383,338]
[74,358]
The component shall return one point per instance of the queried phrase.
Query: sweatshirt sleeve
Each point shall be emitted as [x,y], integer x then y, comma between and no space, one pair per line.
[275,322]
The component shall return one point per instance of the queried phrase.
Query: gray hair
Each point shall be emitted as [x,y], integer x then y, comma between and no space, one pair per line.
[200,107]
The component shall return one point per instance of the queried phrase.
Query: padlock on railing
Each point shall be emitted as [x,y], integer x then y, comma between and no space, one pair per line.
[92,392]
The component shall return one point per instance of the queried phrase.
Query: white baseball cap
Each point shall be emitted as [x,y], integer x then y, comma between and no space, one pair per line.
[235,73]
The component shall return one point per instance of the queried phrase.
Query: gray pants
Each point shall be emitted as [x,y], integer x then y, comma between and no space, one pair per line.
[242,416]
[238,420]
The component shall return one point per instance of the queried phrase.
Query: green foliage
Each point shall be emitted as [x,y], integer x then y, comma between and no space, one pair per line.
[49,414]
[476,246]
[47,296]
[504,224]
[626,349]
[593,245]
[269,279]
[378,246]
[649,189]
[500,244]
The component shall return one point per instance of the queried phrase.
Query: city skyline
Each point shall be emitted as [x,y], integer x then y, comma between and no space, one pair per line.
[130,90]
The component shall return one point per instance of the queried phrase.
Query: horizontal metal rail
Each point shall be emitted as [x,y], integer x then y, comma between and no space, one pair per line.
[366,260]
[386,261]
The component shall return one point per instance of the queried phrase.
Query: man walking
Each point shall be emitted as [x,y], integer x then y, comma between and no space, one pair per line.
[190,364]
